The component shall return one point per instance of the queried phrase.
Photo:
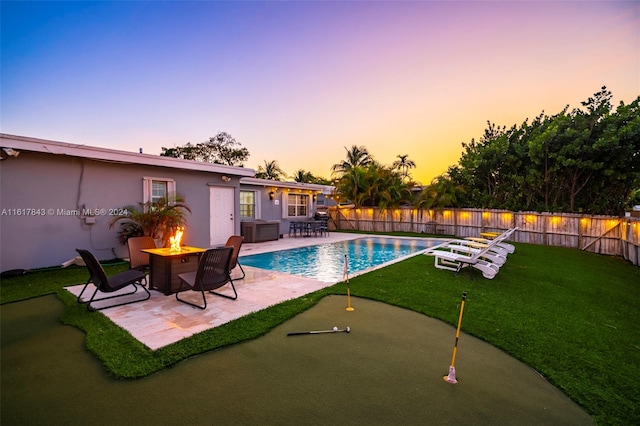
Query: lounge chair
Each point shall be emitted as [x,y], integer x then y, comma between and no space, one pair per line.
[235,241]
[487,256]
[452,261]
[497,245]
[98,278]
[509,248]
[138,259]
[493,254]
[213,272]
[457,254]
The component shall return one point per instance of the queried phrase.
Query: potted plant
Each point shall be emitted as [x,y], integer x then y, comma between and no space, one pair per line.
[158,220]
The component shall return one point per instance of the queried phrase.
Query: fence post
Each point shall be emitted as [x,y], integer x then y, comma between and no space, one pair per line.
[455,222]
[580,237]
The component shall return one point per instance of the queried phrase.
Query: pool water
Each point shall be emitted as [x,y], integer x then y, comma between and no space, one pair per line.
[325,262]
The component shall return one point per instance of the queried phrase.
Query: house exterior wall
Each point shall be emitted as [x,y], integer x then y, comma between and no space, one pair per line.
[273,209]
[43,197]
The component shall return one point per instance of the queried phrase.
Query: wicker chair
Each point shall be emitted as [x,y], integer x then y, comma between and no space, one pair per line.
[213,272]
[139,260]
[235,241]
[99,279]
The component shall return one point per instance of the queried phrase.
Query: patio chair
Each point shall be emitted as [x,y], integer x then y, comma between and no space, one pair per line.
[296,228]
[139,260]
[454,261]
[104,284]
[324,223]
[493,254]
[497,251]
[324,226]
[235,241]
[213,272]
[509,248]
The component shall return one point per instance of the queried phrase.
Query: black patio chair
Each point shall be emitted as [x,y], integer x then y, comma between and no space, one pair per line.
[213,272]
[324,222]
[104,284]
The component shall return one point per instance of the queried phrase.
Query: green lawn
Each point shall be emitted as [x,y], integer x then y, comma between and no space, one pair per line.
[571,315]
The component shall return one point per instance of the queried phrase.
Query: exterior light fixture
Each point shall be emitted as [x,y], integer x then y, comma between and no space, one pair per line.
[271,195]
[9,152]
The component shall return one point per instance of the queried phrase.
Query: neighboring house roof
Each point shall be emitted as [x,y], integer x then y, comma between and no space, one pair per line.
[104,154]
[325,189]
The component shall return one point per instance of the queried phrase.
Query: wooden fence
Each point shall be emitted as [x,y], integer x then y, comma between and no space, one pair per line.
[609,235]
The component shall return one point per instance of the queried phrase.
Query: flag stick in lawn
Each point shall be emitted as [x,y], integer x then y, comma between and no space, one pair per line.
[451,377]
[346,274]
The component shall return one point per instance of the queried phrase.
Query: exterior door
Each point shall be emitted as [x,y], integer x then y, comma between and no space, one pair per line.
[221,214]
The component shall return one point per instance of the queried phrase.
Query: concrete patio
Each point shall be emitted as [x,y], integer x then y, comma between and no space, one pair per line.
[162,320]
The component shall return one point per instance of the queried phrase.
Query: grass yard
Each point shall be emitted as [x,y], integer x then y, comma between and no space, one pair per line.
[572,316]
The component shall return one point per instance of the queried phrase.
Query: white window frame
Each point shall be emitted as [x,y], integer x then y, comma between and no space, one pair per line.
[256,204]
[285,204]
[147,188]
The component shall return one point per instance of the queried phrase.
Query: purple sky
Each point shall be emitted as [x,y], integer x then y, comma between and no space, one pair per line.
[299,81]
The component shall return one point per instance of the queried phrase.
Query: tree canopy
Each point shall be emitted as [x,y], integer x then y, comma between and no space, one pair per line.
[581,160]
[270,170]
[219,149]
[404,164]
[357,156]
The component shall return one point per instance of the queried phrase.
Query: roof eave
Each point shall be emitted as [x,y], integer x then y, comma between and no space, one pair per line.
[105,154]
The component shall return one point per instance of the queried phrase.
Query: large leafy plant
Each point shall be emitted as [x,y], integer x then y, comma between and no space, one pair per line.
[158,220]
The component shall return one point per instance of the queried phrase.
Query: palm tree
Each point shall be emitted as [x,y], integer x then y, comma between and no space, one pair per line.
[357,156]
[303,177]
[393,192]
[349,187]
[404,164]
[271,171]
[158,220]
[441,193]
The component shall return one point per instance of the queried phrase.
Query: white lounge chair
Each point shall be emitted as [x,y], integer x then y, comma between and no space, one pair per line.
[452,261]
[509,248]
[492,254]
[487,255]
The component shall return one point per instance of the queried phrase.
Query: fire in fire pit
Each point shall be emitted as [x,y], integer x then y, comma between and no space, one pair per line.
[175,239]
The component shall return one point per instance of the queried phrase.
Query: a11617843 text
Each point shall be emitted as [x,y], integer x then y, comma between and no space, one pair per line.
[33,211]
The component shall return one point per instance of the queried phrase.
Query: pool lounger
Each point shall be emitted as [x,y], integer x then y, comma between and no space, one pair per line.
[456,262]
[498,258]
[454,255]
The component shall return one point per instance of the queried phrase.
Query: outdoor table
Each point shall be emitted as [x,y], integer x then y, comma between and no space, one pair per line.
[165,265]
[305,227]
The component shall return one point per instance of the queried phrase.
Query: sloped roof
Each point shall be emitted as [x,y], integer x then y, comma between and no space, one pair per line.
[24,143]
[325,189]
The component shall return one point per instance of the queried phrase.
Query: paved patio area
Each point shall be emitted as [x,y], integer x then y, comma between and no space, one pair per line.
[162,320]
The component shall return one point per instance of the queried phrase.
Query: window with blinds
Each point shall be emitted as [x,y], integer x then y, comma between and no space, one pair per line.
[248,204]
[155,188]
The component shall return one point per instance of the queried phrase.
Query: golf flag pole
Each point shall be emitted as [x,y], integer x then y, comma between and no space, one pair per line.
[346,274]
[451,377]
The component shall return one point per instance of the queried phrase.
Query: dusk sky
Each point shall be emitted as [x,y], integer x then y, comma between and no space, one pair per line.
[298,81]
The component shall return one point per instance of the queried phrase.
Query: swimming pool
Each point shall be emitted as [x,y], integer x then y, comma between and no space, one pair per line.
[325,262]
